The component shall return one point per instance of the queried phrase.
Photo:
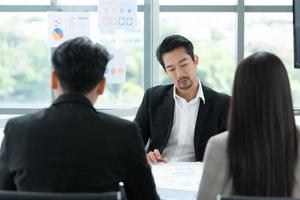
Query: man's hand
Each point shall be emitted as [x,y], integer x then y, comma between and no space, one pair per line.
[154,157]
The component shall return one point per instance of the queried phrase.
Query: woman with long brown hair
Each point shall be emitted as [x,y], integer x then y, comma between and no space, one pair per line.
[258,156]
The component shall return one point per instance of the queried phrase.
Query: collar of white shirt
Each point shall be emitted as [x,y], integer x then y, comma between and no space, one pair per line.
[200,94]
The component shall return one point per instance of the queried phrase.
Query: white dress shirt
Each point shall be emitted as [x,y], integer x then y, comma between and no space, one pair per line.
[180,146]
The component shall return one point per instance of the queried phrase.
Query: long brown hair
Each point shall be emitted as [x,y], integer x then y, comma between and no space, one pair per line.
[263,141]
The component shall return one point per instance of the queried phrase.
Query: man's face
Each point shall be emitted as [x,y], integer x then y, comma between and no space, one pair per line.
[181,68]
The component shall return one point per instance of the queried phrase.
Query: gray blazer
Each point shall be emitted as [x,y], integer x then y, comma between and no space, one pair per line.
[215,178]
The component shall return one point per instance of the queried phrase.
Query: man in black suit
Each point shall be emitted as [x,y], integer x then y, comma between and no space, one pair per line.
[179,119]
[71,147]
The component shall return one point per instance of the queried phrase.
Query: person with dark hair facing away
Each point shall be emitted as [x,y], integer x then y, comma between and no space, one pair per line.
[178,119]
[259,155]
[70,146]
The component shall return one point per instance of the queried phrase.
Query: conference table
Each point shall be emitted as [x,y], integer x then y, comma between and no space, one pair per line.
[177,180]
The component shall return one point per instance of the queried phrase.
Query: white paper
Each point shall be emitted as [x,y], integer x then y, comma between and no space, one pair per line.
[115,70]
[67,25]
[178,175]
[173,194]
[117,14]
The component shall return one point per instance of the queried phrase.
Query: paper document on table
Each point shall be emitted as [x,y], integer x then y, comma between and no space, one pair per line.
[178,175]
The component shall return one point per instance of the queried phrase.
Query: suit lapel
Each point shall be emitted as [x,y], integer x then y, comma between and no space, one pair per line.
[169,101]
[167,113]
[202,116]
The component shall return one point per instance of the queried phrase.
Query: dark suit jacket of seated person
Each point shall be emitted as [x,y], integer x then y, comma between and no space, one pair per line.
[70,146]
[178,119]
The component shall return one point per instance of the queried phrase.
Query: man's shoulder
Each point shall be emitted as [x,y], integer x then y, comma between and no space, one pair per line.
[159,92]
[23,123]
[160,89]
[214,93]
[217,96]
[111,119]
[27,118]
[120,128]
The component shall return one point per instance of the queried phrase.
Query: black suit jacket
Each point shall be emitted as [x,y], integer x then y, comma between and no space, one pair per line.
[70,147]
[155,117]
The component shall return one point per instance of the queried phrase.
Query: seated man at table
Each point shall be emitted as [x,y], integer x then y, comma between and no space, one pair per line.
[70,146]
[178,119]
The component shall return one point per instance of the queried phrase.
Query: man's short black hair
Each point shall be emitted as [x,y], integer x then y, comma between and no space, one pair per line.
[80,64]
[173,42]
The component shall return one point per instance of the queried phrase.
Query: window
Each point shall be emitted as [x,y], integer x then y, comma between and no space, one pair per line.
[78,2]
[131,92]
[86,2]
[24,61]
[23,2]
[26,67]
[279,26]
[268,2]
[195,2]
[210,24]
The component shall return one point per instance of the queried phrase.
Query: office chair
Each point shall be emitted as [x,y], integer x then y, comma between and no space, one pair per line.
[20,195]
[219,197]
[16,195]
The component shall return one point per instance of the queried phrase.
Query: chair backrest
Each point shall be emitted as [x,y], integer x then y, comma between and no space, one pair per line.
[219,197]
[18,195]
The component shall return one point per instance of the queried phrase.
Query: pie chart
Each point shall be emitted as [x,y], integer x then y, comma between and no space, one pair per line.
[57,34]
